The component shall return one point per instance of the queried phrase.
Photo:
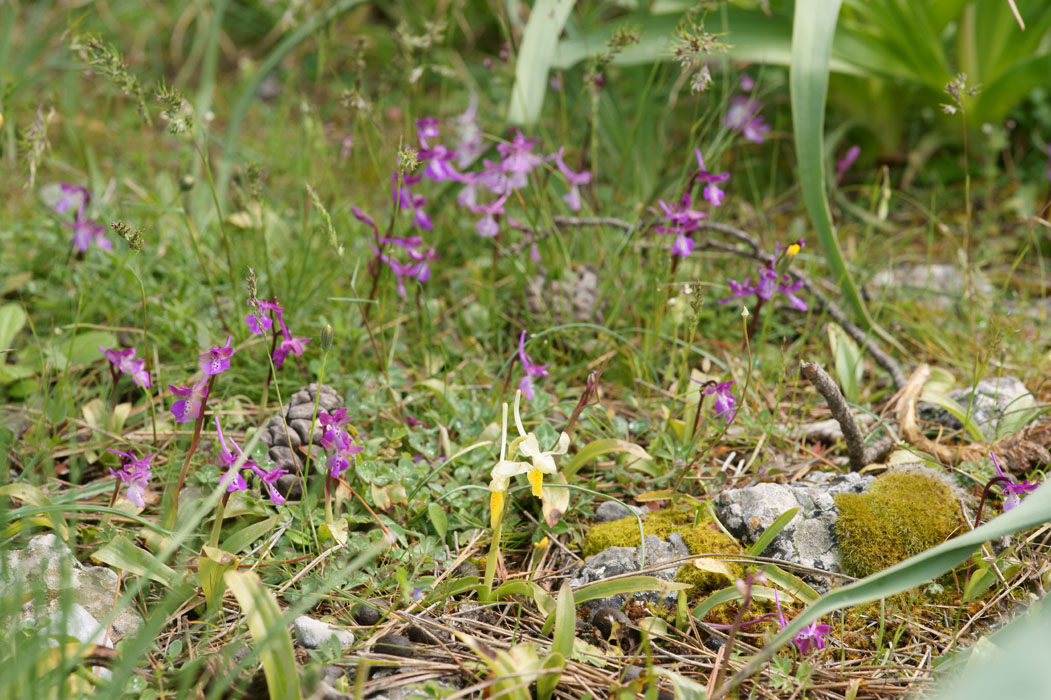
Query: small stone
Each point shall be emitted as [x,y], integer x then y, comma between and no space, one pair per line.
[611,510]
[313,634]
[369,613]
[302,429]
[394,645]
[419,634]
[283,457]
[303,411]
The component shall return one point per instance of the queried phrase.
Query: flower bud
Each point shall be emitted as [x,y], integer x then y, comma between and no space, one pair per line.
[186,182]
[327,337]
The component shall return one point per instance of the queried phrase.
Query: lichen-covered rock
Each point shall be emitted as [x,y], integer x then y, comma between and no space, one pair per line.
[903,512]
[990,401]
[288,432]
[566,300]
[609,511]
[809,538]
[937,284]
[47,566]
[313,634]
[613,548]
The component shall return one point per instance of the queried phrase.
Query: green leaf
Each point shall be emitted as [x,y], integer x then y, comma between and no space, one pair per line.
[565,622]
[82,349]
[12,320]
[813,29]
[628,584]
[601,447]
[121,553]
[269,633]
[27,493]
[240,540]
[547,19]
[438,519]
[847,361]
[1033,511]
[211,567]
[771,532]
[551,669]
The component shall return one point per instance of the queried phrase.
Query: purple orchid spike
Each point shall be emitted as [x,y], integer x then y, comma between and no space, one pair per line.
[769,282]
[844,164]
[125,361]
[531,369]
[725,401]
[234,479]
[216,360]
[265,321]
[191,398]
[73,197]
[135,473]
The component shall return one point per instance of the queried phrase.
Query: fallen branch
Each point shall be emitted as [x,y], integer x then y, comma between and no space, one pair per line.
[860,456]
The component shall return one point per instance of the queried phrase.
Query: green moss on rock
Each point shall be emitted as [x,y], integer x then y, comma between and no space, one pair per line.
[902,513]
[704,537]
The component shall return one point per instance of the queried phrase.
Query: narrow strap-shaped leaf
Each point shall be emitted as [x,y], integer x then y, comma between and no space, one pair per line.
[535,56]
[812,32]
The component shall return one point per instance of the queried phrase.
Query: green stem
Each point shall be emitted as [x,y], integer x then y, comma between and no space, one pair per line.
[486,593]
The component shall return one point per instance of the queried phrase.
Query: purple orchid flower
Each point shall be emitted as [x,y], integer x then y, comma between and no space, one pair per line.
[72,197]
[712,192]
[469,145]
[769,283]
[404,197]
[125,361]
[233,478]
[216,360]
[810,637]
[426,128]
[518,158]
[86,232]
[135,473]
[531,369]
[337,441]
[725,401]
[681,221]
[572,198]
[743,116]
[844,164]
[191,398]
[1013,491]
[261,323]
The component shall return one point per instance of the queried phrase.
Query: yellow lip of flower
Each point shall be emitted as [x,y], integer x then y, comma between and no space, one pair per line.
[536,480]
[792,250]
[496,508]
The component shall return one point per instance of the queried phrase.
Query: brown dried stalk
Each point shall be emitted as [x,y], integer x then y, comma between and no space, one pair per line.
[860,456]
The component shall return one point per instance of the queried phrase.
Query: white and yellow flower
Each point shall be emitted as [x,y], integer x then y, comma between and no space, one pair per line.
[507,467]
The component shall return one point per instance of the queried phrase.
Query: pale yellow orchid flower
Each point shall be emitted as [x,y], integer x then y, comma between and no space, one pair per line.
[543,462]
[503,471]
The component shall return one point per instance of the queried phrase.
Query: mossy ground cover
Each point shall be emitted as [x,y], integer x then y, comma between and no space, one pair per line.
[170,170]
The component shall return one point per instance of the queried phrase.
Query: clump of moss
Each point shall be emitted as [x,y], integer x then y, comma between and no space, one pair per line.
[902,513]
[702,537]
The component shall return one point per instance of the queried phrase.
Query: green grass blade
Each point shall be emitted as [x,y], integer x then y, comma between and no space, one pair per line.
[264,618]
[1035,510]
[539,43]
[812,33]
[771,532]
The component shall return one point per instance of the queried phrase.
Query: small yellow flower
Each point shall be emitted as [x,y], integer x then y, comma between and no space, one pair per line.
[792,250]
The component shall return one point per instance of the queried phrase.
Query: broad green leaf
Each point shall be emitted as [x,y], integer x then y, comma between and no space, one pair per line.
[64,352]
[240,540]
[984,577]
[27,493]
[121,553]
[847,360]
[959,412]
[12,319]
[600,447]
[729,594]
[1033,511]
[628,584]
[211,567]
[268,632]
[539,41]
[438,519]
[813,29]
[565,622]
[551,669]
[771,532]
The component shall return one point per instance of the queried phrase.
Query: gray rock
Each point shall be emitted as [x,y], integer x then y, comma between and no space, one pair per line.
[48,563]
[426,690]
[76,622]
[622,560]
[394,645]
[609,511]
[993,400]
[938,285]
[808,539]
[314,634]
